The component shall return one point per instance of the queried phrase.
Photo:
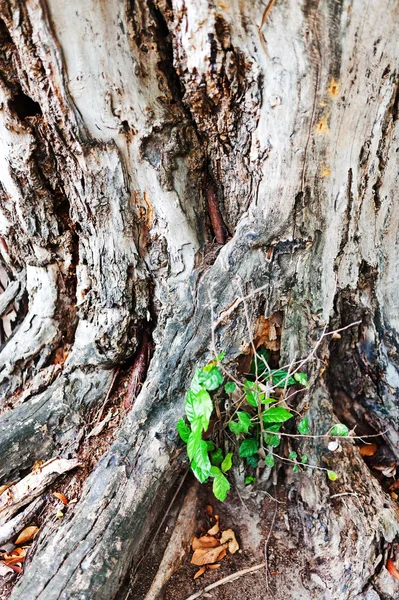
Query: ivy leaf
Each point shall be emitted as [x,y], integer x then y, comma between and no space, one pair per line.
[332,475]
[229,387]
[248,447]
[221,356]
[210,378]
[276,414]
[292,455]
[203,407]
[189,406]
[227,463]
[249,479]
[183,430]
[302,379]
[295,468]
[210,445]
[259,362]
[243,424]
[217,457]
[269,460]
[201,458]
[271,439]
[274,427]
[220,487]
[252,392]
[200,475]
[304,458]
[195,386]
[303,426]
[252,461]
[339,429]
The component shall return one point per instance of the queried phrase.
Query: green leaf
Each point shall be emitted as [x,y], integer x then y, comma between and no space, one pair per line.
[201,458]
[295,468]
[303,426]
[280,378]
[271,439]
[200,475]
[269,460]
[339,429]
[243,424]
[229,387]
[221,356]
[274,427]
[210,445]
[252,392]
[211,378]
[301,378]
[332,475]
[304,458]
[189,406]
[267,400]
[195,386]
[217,457]
[203,407]
[249,479]
[276,414]
[227,463]
[183,430]
[248,447]
[252,461]
[292,455]
[215,471]
[220,487]
[194,440]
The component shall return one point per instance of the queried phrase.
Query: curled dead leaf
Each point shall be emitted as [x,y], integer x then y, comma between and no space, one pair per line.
[14,557]
[26,535]
[206,556]
[215,529]
[368,449]
[200,572]
[61,497]
[392,569]
[215,566]
[229,537]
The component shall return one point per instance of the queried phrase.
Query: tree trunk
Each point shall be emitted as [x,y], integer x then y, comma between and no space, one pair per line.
[159,160]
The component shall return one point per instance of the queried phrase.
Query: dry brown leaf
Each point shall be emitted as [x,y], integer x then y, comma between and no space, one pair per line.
[392,569]
[205,541]
[394,496]
[14,557]
[206,556]
[215,529]
[209,510]
[200,572]
[229,536]
[368,449]
[61,497]
[216,566]
[5,487]
[26,535]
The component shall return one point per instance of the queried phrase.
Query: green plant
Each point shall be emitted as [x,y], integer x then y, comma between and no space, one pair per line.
[256,420]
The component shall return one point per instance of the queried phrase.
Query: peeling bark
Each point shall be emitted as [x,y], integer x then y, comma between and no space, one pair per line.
[133,134]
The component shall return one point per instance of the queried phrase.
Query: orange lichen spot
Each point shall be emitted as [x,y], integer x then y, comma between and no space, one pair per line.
[333,88]
[325,171]
[322,125]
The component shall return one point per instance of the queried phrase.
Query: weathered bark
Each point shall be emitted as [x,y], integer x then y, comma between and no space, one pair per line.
[133,135]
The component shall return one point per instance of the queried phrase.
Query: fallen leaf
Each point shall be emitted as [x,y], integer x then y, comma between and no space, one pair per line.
[200,572]
[209,510]
[216,566]
[5,487]
[16,556]
[61,497]
[205,541]
[368,449]
[392,569]
[229,536]
[215,529]
[206,556]
[394,496]
[59,514]
[26,535]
